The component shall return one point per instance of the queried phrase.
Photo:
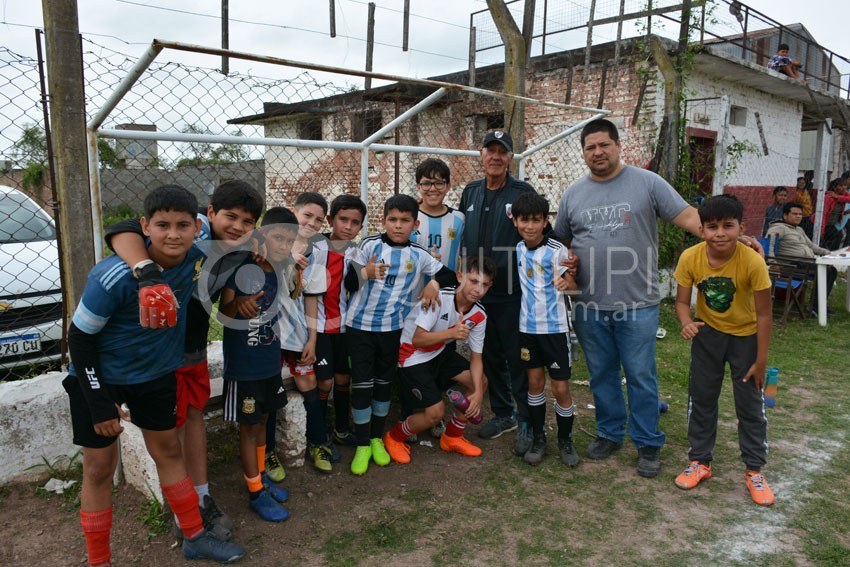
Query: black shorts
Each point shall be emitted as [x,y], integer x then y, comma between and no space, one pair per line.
[551,351]
[331,355]
[374,354]
[426,382]
[246,401]
[152,405]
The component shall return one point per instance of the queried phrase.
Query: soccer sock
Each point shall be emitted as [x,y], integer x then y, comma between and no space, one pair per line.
[261,459]
[323,402]
[255,486]
[401,431]
[96,527]
[454,428]
[316,434]
[537,412]
[361,410]
[202,490]
[342,406]
[565,417]
[184,503]
[380,409]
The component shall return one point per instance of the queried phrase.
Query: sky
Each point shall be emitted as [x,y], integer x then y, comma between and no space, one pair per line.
[298,29]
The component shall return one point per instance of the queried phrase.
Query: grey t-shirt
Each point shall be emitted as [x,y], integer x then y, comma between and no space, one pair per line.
[614,232]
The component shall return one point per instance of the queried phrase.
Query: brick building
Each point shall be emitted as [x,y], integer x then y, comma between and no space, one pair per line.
[757,116]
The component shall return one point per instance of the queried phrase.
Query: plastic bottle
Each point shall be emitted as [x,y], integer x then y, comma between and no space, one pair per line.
[462,404]
[770,386]
[573,347]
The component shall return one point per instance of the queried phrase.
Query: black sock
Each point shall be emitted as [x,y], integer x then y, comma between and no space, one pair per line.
[565,418]
[537,413]
[316,434]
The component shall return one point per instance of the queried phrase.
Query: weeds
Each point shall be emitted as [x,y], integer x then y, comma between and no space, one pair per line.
[155,517]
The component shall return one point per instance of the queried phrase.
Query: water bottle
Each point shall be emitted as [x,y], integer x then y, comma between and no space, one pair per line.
[770,386]
[573,347]
[462,404]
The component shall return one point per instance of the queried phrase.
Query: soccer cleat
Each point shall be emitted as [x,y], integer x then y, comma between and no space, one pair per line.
[693,474]
[334,452]
[496,426]
[649,461]
[438,430]
[216,522]
[273,467]
[398,451]
[379,452]
[268,508]
[534,456]
[274,491]
[459,445]
[206,546]
[569,455]
[321,457]
[602,448]
[345,438]
[759,490]
[524,440]
[362,456]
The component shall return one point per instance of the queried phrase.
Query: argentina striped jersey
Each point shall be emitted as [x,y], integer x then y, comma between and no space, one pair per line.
[442,234]
[543,309]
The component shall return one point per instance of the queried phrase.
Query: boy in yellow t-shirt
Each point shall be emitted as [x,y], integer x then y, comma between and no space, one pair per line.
[732,325]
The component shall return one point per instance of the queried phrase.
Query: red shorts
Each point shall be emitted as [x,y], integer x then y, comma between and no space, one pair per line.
[290,358]
[193,389]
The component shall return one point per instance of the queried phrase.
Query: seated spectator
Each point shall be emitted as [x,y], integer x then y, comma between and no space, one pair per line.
[773,213]
[794,243]
[803,196]
[784,64]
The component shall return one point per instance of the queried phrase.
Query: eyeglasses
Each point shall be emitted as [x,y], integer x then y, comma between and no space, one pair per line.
[426,185]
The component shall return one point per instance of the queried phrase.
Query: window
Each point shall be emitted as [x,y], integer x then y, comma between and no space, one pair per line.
[487,122]
[310,128]
[738,116]
[364,124]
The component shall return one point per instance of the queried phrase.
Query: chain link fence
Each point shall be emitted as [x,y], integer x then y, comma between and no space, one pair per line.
[173,97]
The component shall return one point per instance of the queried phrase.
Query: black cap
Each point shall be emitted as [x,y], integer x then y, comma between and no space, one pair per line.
[498,136]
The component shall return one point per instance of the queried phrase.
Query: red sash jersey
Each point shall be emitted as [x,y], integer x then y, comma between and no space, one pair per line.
[440,320]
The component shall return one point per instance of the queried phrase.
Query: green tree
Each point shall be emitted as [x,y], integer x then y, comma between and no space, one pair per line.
[31,149]
[205,153]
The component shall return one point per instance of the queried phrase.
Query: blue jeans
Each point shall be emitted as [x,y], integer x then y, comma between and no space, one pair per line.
[610,339]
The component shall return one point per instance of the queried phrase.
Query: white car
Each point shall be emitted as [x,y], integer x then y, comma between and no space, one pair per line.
[30,289]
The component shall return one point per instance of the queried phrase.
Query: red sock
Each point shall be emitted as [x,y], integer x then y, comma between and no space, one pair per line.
[454,428]
[401,431]
[96,527]
[184,503]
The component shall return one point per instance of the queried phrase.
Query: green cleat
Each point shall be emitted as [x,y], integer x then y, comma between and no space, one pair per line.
[360,464]
[274,469]
[321,457]
[379,452]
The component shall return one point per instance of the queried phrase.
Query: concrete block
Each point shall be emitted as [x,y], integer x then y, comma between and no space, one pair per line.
[137,466]
[35,425]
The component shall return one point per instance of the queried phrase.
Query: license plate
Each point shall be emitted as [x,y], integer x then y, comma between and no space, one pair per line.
[22,344]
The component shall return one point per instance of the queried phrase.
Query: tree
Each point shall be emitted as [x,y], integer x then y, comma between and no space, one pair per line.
[31,148]
[517,52]
[205,153]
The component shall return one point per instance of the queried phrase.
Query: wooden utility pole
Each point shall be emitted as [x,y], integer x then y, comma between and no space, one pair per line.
[68,122]
[225,36]
[370,42]
[405,26]
[517,51]
[332,15]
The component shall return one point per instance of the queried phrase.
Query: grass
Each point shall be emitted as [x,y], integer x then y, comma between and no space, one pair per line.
[511,513]
[63,468]
[156,518]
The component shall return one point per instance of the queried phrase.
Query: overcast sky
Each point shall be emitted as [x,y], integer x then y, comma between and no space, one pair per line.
[298,29]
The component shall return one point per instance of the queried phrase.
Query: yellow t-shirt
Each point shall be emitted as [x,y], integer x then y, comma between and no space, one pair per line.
[725,295]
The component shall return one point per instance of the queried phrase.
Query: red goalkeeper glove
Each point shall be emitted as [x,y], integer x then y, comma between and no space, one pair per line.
[157,305]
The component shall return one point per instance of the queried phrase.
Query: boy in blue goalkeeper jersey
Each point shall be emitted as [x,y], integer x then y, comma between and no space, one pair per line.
[116,361]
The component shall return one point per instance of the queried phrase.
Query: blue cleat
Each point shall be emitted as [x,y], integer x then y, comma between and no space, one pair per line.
[274,490]
[268,509]
[207,546]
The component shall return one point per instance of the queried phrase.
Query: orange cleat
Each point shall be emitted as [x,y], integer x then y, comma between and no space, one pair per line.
[399,451]
[759,490]
[694,474]
[459,445]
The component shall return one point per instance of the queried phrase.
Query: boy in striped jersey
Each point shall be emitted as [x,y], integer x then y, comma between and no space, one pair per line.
[428,367]
[346,217]
[383,274]
[544,325]
[440,226]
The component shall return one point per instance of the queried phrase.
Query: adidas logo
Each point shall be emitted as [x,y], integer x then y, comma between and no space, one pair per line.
[280,390]
[323,362]
[554,366]
[444,317]
[470,208]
